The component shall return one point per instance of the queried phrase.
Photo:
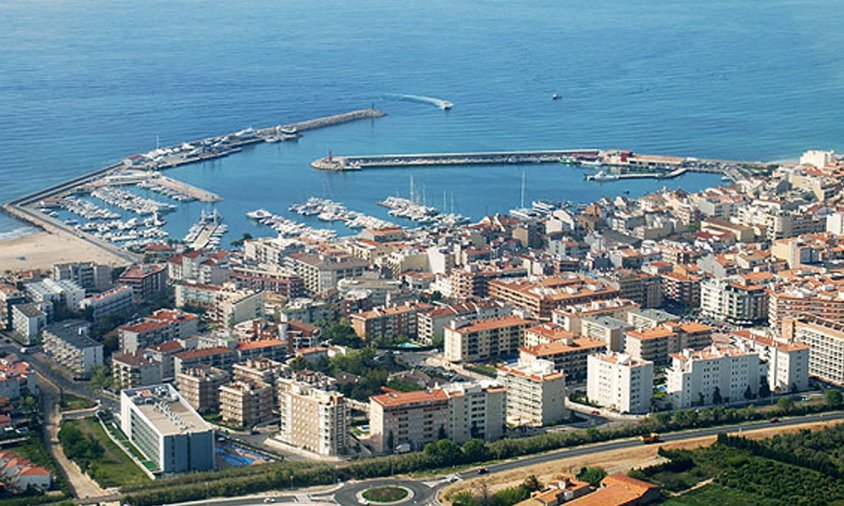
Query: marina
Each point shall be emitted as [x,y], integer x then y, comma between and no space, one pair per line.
[288,228]
[143,171]
[330,211]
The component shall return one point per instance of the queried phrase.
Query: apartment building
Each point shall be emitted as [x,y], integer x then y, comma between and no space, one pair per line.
[714,375]
[540,296]
[816,296]
[322,272]
[536,394]
[388,323]
[788,362]
[431,324]
[114,302]
[245,404]
[68,343]
[200,387]
[147,281]
[571,317]
[620,382]
[219,357]
[681,288]
[166,429]
[27,322]
[568,355]
[408,419]
[133,370]
[657,343]
[607,329]
[730,301]
[91,276]
[199,267]
[313,417]
[825,339]
[161,326]
[484,339]
[476,410]
[473,281]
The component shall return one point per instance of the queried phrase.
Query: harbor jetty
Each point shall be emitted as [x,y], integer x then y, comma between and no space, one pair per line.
[358,162]
[626,163]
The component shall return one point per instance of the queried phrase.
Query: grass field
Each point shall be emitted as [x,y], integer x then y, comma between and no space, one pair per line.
[70,402]
[716,494]
[114,468]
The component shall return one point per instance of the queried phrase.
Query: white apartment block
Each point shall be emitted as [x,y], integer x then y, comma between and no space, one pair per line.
[825,340]
[536,394]
[27,321]
[312,417]
[727,300]
[166,429]
[695,376]
[620,382]
[788,362]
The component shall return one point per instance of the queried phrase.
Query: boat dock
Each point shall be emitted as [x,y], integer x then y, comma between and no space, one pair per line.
[123,172]
[342,163]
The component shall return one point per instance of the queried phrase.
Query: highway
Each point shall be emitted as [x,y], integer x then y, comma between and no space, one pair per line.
[425,490]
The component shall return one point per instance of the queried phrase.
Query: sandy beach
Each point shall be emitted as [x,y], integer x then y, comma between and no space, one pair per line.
[42,249]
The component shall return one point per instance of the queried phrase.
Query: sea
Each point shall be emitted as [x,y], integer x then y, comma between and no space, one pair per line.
[84,84]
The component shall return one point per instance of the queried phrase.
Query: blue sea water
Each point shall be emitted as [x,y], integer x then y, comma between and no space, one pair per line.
[83,84]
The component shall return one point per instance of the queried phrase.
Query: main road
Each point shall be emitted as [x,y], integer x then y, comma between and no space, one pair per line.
[425,491]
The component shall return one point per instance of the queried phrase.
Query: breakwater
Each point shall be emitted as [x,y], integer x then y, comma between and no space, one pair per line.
[341,163]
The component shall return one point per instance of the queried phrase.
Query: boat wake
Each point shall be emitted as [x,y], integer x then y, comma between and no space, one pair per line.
[437,102]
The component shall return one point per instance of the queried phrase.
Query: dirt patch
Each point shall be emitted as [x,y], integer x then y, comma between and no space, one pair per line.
[614,461]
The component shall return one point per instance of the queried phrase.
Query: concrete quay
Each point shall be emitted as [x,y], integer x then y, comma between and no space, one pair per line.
[341,163]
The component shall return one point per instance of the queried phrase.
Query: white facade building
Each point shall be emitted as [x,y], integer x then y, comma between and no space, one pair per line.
[166,429]
[698,378]
[620,382]
[536,393]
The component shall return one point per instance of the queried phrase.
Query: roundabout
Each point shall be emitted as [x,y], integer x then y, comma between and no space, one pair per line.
[386,494]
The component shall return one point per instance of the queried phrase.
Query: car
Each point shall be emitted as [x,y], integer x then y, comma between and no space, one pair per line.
[596,412]
[483,470]
[774,420]
[269,500]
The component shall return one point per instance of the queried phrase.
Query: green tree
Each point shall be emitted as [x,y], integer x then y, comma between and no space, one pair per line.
[786,404]
[475,450]
[716,396]
[101,377]
[593,475]
[833,398]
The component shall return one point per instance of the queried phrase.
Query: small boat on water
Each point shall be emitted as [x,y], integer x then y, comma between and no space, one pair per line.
[569,160]
[591,163]
[556,96]
[602,176]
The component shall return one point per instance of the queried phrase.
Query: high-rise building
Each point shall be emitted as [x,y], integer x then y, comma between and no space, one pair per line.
[166,429]
[536,393]
[620,382]
[313,417]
